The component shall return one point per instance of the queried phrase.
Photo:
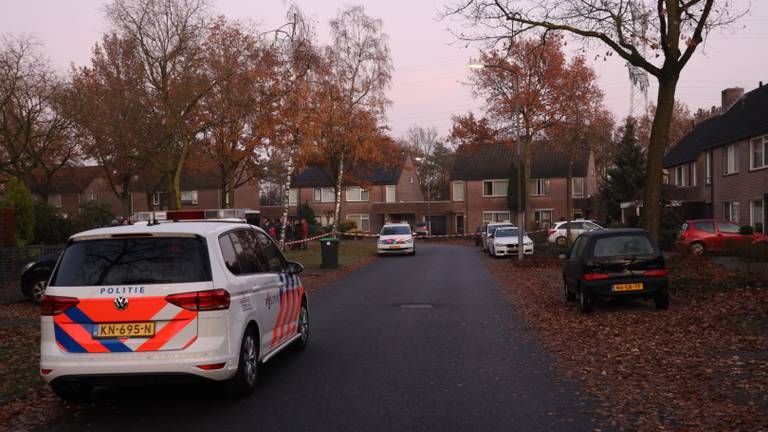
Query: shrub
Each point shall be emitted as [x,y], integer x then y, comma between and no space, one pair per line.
[18,197]
[50,228]
[347,225]
[92,215]
[746,230]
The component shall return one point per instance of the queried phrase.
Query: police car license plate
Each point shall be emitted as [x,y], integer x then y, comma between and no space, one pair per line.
[395,247]
[125,330]
[628,287]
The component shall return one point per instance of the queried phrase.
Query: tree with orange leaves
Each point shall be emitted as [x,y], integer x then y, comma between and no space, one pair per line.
[531,81]
[238,109]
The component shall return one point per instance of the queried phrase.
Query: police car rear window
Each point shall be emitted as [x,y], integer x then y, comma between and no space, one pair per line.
[144,260]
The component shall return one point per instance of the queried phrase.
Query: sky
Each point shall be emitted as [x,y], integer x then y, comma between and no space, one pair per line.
[430,78]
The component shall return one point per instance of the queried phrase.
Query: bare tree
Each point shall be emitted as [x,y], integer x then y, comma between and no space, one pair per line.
[427,146]
[361,67]
[658,36]
[36,137]
[169,35]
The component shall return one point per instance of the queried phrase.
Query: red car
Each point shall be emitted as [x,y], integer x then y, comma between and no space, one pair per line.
[709,235]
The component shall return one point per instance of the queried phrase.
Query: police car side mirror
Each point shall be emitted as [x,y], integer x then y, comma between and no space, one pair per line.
[294,267]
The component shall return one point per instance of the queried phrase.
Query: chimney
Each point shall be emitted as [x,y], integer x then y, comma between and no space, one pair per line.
[729,97]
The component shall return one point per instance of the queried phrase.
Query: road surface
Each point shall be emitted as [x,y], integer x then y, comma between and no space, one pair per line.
[404,344]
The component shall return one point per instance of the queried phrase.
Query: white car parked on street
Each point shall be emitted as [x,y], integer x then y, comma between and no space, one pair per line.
[505,240]
[396,239]
[189,299]
[558,233]
[489,230]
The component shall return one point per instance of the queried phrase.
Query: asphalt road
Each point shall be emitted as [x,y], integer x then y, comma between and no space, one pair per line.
[404,344]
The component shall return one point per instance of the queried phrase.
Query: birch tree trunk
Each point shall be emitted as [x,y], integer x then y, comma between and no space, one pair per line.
[286,198]
[568,201]
[337,209]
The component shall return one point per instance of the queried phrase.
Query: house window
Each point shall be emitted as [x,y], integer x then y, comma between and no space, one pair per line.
[539,187]
[679,176]
[390,193]
[542,219]
[55,200]
[756,215]
[324,195]
[758,151]
[293,197]
[491,216]
[362,221]
[91,196]
[731,211]
[730,159]
[577,187]
[458,190]
[692,172]
[495,188]
[708,168]
[156,198]
[188,197]
[357,194]
[665,176]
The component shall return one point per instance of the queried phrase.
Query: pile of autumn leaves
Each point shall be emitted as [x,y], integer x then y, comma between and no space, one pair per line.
[701,365]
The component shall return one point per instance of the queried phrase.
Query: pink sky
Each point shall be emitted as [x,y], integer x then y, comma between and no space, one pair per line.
[430,72]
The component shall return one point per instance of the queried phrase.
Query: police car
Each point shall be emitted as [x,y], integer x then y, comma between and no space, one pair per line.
[185,299]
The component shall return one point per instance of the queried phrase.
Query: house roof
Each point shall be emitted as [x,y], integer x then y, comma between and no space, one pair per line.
[381,174]
[494,160]
[70,179]
[748,117]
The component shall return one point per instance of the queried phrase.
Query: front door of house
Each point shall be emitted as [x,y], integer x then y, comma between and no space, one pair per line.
[460,224]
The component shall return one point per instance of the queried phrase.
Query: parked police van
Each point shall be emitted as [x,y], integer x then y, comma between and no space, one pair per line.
[193,298]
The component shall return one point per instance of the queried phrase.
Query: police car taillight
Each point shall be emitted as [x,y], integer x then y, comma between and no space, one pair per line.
[54,305]
[217,299]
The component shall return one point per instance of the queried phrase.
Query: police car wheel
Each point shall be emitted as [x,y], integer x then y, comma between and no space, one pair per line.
[303,325]
[244,381]
[72,391]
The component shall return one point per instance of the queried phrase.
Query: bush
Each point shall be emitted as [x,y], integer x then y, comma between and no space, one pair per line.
[347,225]
[18,197]
[50,228]
[746,230]
[92,215]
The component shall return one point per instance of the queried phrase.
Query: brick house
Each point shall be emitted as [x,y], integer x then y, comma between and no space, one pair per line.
[480,181]
[371,196]
[720,169]
[74,186]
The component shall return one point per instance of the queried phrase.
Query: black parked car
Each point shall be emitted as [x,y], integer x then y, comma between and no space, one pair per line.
[615,263]
[35,275]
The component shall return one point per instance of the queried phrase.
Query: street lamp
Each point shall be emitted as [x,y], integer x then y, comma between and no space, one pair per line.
[520,246]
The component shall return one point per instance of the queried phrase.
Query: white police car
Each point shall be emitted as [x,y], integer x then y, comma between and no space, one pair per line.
[202,299]
[396,238]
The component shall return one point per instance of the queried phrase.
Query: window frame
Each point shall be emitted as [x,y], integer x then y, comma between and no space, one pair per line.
[361,216]
[322,194]
[360,191]
[387,189]
[55,200]
[731,208]
[494,219]
[193,201]
[293,197]
[708,167]
[573,187]
[680,176]
[454,185]
[541,187]
[692,174]
[494,192]
[728,151]
[762,141]
[752,221]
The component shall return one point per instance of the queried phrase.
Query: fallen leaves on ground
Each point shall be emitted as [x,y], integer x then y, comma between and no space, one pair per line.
[701,365]
[25,400]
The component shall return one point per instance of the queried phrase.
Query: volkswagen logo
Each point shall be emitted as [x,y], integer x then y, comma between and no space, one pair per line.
[121,303]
